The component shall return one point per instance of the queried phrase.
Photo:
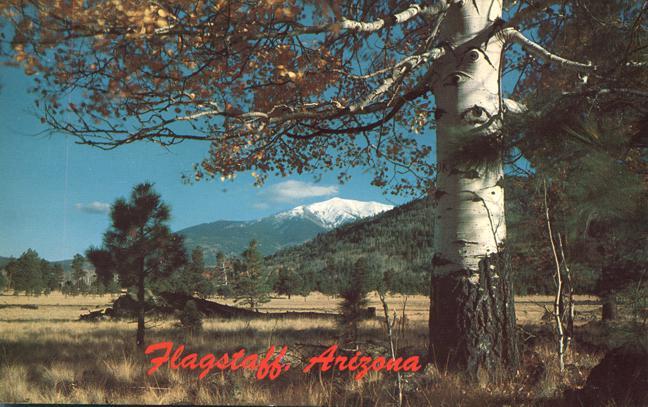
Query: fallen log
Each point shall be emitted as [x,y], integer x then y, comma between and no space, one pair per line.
[170,303]
[24,306]
[214,309]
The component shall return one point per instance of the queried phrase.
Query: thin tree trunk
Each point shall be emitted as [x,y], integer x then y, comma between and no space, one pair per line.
[390,335]
[141,306]
[472,318]
[558,303]
[610,311]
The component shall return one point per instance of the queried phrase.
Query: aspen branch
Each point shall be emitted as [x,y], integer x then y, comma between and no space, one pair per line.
[400,70]
[536,50]
[359,26]
[559,286]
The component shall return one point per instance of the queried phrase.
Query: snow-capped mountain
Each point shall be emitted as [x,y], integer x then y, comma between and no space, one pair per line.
[335,212]
[275,232]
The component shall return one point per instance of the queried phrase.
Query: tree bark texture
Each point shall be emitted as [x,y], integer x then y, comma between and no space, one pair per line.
[609,312]
[472,319]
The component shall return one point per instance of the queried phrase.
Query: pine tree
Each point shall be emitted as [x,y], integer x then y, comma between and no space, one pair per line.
[78,274]
[26,273]
[252,287]
[354,298]
[4,282]
[139,246]
[191,278]
[287,283]
[56,277]
[191,317]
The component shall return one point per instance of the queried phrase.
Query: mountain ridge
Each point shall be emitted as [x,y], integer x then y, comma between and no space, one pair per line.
[278,231]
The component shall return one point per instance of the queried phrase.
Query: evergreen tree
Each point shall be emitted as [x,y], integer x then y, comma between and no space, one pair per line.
[78,274]
[11,268]
[252,286]
[287,283]
[4,282]
[197,281]
[139,246]
[46,271]
[55,277]
[112,286]
[191,317]
[354,298]
[191,278]
[26,273]
[97,287]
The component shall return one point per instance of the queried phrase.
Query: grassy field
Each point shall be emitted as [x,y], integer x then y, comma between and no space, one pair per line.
[47,355]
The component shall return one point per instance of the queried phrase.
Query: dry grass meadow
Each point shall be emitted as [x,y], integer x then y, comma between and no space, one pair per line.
[48,356]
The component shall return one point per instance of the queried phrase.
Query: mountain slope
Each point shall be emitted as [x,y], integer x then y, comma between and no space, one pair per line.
[401,238]
[335,212]
[275,232]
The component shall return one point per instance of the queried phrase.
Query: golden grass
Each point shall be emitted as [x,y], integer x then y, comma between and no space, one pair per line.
[48,356]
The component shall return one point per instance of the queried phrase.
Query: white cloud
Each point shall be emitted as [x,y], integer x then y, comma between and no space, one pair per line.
[94,207]
[290,191]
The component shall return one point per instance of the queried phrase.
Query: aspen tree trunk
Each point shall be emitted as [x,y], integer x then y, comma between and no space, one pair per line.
[472,316]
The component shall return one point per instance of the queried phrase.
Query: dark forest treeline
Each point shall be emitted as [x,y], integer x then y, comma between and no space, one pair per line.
[30,274]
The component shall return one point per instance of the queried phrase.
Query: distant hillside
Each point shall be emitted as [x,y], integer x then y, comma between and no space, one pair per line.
[231,237]
[400,239]
[276,232]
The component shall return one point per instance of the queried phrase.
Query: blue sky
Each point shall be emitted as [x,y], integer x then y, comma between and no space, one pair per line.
[55,193]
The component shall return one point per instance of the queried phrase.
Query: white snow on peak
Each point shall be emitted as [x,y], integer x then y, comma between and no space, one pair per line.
[335,212]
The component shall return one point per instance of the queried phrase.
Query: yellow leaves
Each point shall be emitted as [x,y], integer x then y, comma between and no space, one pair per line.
[284,12]
[219,5]
[282,71]
[118,5]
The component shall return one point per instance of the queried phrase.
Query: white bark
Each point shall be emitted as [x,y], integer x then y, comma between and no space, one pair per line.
[536,50]
[470,217]
[559,287]
[472,313]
